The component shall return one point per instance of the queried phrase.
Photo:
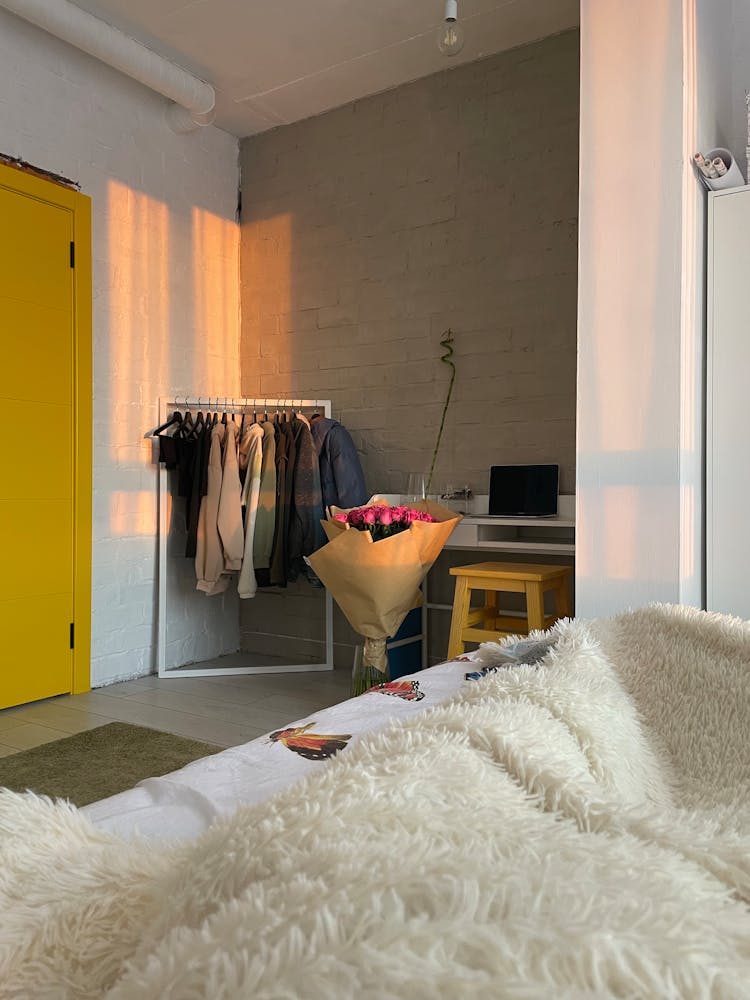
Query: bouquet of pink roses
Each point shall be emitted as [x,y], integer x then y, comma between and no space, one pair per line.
[374,572]
[382,520]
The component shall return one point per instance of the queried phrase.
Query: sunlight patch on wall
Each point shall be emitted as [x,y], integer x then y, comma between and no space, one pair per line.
[267,307]
[216,298]
[621,513]
[612,552]
[138,236]
[628,283]
[688,537]
[132,513]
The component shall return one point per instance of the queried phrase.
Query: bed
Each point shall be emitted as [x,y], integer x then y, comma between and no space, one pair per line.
[183,804]
[573,828]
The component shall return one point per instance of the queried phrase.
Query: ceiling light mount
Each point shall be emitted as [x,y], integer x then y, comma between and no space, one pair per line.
[450,35]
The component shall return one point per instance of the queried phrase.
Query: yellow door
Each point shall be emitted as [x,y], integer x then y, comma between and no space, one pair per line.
[38,474]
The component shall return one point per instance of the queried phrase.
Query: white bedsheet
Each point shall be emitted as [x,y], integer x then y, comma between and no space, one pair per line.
[181,805]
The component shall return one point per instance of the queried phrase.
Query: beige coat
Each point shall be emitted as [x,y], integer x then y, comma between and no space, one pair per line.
[229,519]
[265,521]
[251,457]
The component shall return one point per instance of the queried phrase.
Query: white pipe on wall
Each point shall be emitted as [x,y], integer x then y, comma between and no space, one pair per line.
[193,98]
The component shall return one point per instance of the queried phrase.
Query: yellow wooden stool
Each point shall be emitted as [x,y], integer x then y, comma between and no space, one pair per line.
[530,579]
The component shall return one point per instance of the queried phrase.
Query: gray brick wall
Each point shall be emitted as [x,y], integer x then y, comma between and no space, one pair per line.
[367,231]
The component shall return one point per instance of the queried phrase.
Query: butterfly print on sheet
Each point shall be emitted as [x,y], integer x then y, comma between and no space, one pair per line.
[408,690]
[313,746]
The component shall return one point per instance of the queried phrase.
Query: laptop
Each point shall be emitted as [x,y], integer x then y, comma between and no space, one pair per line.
[523,490]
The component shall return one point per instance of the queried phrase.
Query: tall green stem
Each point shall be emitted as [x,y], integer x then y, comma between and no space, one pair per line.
[447,343]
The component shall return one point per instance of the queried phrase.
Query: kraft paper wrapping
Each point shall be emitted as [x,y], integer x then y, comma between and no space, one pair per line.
[376,584]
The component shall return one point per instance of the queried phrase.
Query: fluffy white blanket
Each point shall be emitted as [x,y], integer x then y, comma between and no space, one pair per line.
[574,830]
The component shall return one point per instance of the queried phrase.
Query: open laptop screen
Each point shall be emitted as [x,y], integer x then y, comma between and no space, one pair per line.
[523,490]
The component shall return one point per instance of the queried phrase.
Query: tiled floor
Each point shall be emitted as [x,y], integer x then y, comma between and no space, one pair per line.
[225,710]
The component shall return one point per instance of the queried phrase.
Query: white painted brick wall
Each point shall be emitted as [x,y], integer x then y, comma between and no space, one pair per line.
[166,313]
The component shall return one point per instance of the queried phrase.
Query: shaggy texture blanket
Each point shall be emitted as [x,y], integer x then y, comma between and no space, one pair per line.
[573,829]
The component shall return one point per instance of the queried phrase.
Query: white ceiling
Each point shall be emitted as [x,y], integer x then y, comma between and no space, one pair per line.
[284,60]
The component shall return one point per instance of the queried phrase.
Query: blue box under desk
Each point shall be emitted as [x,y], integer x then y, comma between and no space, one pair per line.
[407,658]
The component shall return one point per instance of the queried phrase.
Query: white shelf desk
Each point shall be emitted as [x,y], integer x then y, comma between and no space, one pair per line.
[535,535]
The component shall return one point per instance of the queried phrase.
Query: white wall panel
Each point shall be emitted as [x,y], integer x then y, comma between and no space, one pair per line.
[629,323]
[728,405]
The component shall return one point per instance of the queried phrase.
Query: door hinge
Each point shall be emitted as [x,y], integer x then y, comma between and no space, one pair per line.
[72,254]
[72,635]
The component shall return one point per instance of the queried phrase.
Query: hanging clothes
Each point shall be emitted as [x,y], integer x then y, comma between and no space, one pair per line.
[176,453]
[285,456]
[255,495]
[305,532]
[341,478]
[251,462]
[265,519]
[168,451]
[209,556]
[187,452]
[196,485]
[229,520]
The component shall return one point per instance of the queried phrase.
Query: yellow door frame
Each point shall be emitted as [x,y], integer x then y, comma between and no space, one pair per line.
[79,205]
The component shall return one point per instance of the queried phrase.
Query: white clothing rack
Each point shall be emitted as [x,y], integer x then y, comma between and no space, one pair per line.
[230,404]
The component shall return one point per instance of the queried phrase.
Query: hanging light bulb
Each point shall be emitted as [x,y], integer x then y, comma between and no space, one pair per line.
[450,35]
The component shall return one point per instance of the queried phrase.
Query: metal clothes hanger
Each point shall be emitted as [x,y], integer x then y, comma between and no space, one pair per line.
[176,418]
[187,421]
[198,424]
[204,420]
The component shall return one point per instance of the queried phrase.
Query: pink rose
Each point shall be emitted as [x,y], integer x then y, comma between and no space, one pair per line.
[369,516]
[355,516]
[385,516]
[398,513]
[341,516]
[422,515]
